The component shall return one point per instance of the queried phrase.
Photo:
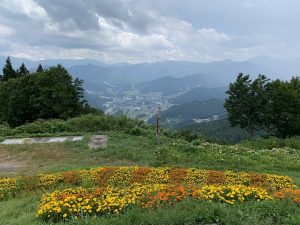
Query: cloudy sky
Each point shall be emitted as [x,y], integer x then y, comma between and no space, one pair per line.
[149,30]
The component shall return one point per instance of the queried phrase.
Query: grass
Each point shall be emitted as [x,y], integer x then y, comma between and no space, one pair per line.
[124,149]
[40,158]
[127,149]
[188,212]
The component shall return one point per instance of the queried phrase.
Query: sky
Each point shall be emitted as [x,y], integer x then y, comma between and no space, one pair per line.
[150,30]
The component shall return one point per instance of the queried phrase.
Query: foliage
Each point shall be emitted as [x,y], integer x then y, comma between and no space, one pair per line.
[260,104]
[179,115]
[246,102]
[81,124]
[219,131]
[282,116]
[8,71]
[272,143]
[22,71]
[46,94]
[39,68]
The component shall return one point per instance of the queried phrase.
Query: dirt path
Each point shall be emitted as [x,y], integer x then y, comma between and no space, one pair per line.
[9,164]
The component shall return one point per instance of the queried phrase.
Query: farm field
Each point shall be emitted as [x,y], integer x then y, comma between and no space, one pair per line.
[179,182]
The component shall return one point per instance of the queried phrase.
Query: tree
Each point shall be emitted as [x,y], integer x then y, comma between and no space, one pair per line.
[246,102]
[79,89]
[22,70]
[8,71]
[282,117]
[40,68]
[46,95]
[56,95]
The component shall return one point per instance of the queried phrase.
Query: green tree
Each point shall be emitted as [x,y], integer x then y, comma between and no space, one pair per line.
[51,94]
[282,117]
[246,102]
[22,70]
[8,71]
[40,68]
[56,96]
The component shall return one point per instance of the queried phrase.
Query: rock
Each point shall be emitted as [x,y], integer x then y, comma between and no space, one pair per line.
[98,142]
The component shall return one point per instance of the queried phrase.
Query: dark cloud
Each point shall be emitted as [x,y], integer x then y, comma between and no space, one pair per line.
[147,30]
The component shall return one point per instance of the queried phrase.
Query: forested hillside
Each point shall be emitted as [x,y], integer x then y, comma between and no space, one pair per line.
[200,94]
[180,115]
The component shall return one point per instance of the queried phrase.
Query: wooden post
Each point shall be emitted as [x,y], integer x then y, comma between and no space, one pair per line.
[158,125]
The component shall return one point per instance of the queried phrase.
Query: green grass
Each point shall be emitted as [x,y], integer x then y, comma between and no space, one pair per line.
[124,149]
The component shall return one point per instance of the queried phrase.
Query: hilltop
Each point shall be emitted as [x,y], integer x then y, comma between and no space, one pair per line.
[132,143]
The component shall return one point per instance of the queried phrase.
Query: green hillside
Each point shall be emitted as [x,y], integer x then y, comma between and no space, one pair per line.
[200,94]
[181,115]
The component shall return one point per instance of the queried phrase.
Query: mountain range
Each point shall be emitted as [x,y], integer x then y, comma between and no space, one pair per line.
[220,71]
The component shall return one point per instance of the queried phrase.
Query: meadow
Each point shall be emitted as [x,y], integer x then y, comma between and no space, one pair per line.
[132,145]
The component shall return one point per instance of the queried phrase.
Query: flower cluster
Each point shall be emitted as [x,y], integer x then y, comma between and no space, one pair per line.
[289,193]
[232,193]
[8,186]
[74,203]
[125,176]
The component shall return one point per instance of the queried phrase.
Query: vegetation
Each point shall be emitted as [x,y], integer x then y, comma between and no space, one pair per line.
[219,131]
[260,104]
[185,180]
[47,94]
[133,143]
[180,115]
[200,94]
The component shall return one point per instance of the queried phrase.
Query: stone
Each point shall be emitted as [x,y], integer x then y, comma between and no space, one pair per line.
[98,142]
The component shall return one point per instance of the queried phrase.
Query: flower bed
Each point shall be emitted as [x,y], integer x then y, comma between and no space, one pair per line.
[124,176]
[73,203]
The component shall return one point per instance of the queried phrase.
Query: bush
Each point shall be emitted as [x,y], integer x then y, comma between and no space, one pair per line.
[136,131]
[272,142]
[78,125]
[187,135]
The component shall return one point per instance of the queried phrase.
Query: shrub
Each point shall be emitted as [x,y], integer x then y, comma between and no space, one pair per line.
[80,124]
[272,142]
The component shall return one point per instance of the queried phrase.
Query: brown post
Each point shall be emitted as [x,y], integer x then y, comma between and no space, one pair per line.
[158,126]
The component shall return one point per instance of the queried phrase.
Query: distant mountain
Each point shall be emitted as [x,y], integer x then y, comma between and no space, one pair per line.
[31,64]
[181,115]
[214,74]
[277,68]
[200,94]
[170,85]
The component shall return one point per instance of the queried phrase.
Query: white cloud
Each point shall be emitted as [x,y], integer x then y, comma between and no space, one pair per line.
[26,7]
[211,35]
[5,31]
